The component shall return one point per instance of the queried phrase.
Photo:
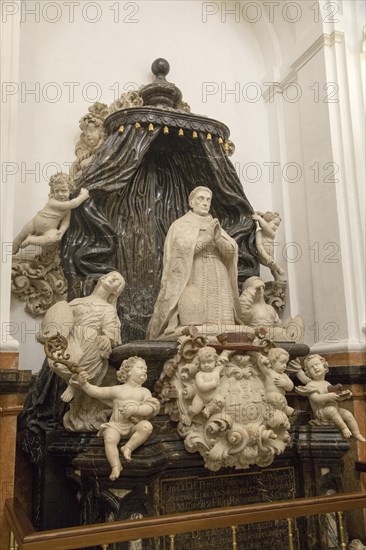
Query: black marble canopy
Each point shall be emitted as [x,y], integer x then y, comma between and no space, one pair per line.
[139,181]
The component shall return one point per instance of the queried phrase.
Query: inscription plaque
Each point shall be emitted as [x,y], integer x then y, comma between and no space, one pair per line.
[204,492]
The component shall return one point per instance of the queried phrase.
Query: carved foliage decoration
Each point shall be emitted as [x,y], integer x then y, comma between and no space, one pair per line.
[39,280]
[275,295]
[92,129]
[238,423]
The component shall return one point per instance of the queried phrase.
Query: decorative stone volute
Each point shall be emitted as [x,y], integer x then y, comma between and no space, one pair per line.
[160,93]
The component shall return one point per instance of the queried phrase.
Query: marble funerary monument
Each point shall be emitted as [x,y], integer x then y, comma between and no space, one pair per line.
[168,368]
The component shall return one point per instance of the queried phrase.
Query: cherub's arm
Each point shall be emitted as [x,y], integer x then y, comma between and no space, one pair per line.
[150,406]
[105,394]
[264,225]
[265,369]
[284,381]
[71,204]
[64,225]
[316,394]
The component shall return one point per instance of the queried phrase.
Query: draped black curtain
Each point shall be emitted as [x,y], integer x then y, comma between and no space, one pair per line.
[139,182]
[91,240]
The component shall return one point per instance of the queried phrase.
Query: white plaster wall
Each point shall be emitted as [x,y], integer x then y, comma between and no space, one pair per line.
[322,251]
[230,57]
[324,129]
[215,55]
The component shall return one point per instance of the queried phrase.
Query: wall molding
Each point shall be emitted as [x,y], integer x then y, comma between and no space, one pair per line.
[346,345]
[336,37]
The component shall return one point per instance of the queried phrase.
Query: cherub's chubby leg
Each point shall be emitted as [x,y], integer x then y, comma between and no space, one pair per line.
[350,420]
[334,416]
[196,407]
[50,237]
[111,440]
[141,432]
[27,230]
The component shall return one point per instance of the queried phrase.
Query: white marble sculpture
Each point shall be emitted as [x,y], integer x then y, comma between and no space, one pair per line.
[127,100]
[324,399]
[275,294]
[199,280]
[91,328]
[229,405]
[183,106]
[276,381]
[268,223]
[49,224]
[356,544]
[229,147]
[91,138]
[207,398]
[255,312]
[131,406]
[38,280]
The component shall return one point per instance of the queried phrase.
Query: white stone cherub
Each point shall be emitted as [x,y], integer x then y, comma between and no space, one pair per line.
[132,405]
[324,403]
[49,224]
[276,381]
[91,139]
[207,381]
[268,223]
[275,377]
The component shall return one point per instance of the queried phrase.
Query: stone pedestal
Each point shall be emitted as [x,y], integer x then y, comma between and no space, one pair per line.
[164,478]
[71,471]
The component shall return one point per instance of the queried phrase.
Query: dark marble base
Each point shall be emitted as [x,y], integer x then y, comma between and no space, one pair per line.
[14,381]
[71,484]
[163,350]
[355,374]
[164,478]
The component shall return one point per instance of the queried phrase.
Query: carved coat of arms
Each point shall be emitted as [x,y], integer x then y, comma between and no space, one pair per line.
[230,404]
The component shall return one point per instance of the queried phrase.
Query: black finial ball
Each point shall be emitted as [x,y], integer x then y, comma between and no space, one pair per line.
[160,67]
